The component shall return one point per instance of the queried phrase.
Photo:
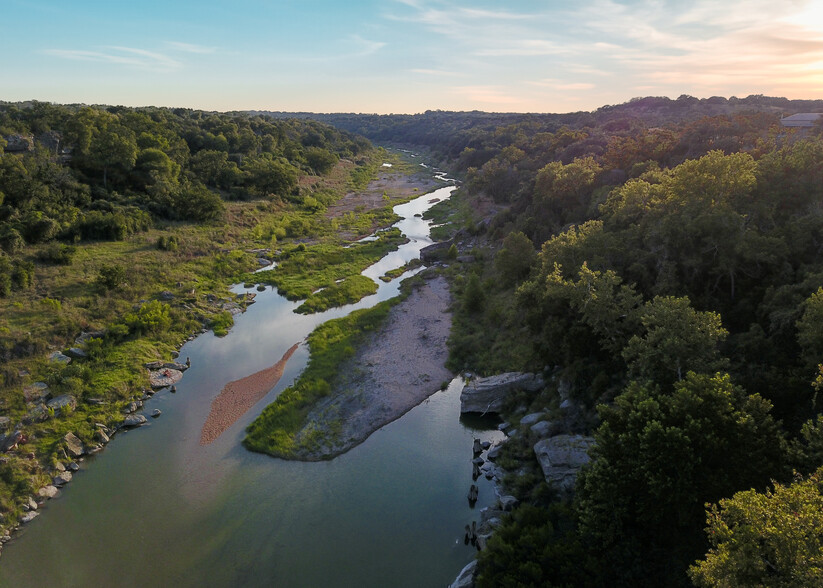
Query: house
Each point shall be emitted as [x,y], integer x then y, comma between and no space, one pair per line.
[801,119]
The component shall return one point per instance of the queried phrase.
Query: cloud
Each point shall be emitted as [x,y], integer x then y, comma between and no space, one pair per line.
[129,56]
[364,46]
[190,47]
[434,72]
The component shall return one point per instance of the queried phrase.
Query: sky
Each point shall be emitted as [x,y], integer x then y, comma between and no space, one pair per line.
[406,56]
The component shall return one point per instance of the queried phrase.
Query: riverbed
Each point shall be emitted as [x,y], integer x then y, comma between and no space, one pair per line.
[157,508]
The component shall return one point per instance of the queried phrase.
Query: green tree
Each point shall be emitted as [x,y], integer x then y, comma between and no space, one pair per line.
[514,260]
[658,459]
[675,339]
[114,148]
[772,539]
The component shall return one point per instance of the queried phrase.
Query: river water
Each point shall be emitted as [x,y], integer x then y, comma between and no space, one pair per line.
[157,509]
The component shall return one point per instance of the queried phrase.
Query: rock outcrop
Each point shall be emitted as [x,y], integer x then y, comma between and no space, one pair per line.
[465,579]
[561,457]
[485,395]
[74,447]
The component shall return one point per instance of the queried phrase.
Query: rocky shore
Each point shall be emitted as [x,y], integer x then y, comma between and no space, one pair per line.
[396,370]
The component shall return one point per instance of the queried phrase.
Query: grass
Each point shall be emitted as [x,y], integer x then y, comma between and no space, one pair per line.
[331,344]
[303,270]
[396,273]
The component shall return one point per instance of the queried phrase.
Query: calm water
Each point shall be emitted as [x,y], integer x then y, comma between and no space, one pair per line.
[157,509]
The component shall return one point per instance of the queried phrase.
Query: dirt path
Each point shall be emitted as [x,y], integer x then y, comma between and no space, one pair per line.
[400,367]
[239,396]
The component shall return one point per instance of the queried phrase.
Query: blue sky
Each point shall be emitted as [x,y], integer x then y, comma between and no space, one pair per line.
[406,55]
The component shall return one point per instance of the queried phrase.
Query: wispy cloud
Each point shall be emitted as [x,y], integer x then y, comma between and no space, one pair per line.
[128,56]
[363,46]
[190,47]
[436,72]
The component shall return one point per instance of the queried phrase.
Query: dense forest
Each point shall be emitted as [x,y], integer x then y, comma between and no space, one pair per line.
[660,262]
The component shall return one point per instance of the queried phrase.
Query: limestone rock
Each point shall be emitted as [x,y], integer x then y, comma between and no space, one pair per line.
[58,357]
[47,492]
[74,446]
[561,457]
[101,436]
[76,353]
[62,479]
[29,516]
[134,420]
[486,395]
[465,579]
[545,429]
[508,502]
[62,402]
[531,419]
[165,377]
[156,413]
[36,392]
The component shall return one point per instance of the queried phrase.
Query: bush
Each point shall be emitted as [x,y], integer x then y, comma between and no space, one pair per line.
[10,240]
[168,243]
[57,254]
[151,317]
[111,277]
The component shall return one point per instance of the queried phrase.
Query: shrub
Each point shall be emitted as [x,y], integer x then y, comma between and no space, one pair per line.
[57,254]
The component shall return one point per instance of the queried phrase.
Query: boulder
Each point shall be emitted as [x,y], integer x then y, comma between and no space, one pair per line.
[62,402]
[435,252]
[156,413]
[58,357]
[62,479]
[4,422]
[561,457]
[465,579]
[76,353]
[165,377]
[486,395]
[508,502]
[166,295]
[494,452]
[73,467]
[74,446]
[11,441]
[545,429]
[47,492]
[29,516]
[530,419]
[134,420]
[29,504]
[101,436]
[36,392]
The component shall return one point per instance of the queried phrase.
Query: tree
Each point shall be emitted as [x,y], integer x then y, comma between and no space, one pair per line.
[810,329]
[113,148]
[658,459]
[515,258]
[676,339]
[772,539]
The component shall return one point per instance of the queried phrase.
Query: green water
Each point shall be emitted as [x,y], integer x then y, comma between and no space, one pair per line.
[157,509]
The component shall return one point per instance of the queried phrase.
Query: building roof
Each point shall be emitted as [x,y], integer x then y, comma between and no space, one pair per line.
[801,119]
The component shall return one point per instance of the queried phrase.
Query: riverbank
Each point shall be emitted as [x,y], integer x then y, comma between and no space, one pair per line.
[400,366]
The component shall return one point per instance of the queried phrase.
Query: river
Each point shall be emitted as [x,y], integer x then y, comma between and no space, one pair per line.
[158,509]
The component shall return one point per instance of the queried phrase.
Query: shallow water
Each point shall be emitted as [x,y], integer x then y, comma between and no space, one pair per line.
[158,509]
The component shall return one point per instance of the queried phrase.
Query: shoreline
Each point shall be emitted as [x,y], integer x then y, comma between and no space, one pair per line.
[398,368]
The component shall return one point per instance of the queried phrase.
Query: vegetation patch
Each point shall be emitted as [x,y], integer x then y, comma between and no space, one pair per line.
[331,344]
